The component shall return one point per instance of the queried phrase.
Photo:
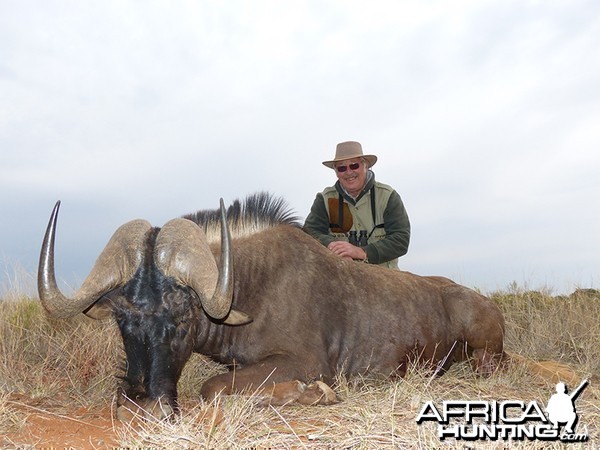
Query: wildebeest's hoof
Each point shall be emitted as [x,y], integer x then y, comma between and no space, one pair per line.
[318,393]
[282,393]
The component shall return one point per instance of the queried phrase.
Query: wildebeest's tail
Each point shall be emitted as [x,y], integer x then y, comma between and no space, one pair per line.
[550,371]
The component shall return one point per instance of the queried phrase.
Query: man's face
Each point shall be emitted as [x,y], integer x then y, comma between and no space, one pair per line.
[352,174]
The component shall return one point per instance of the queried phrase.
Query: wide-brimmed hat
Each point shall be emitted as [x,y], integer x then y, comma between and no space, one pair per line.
[349,150]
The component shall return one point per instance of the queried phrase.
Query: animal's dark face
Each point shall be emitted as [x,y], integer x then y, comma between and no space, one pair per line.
[157,283]
[159,320]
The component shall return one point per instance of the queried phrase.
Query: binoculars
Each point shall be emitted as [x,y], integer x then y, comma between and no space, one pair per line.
[358,238]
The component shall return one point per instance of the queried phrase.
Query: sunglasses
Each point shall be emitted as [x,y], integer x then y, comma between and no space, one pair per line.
[353,166]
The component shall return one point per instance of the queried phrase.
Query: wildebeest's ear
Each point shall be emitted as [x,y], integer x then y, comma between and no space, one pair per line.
[99,310]
[236,317]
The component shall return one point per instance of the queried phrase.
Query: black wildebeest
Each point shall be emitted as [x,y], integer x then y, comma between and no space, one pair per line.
[270,301]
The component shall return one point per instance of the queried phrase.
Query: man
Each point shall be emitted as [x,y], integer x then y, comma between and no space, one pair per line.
[358,217]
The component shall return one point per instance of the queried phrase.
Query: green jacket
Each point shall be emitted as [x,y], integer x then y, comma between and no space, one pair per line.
[388,237]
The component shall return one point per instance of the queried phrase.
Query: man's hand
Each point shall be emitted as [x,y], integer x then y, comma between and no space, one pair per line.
[347,250]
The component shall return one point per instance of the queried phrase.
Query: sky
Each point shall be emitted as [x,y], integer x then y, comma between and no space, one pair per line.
[485,117]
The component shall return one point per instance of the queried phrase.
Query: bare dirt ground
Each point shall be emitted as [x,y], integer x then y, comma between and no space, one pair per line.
[50,425]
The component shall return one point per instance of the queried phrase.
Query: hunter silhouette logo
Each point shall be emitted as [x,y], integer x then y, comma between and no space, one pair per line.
[508,420]
[561,406]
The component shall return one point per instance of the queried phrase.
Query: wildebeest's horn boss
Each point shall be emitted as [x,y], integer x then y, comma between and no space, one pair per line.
[182,252]
[114,267]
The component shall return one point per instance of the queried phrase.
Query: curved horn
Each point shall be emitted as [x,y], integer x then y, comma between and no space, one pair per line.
[114,267]
[182,252]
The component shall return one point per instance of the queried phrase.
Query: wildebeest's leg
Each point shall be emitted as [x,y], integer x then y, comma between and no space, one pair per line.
[278,379]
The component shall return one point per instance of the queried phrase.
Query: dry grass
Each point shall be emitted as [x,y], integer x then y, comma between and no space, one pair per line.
[46,358]
[74,364]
